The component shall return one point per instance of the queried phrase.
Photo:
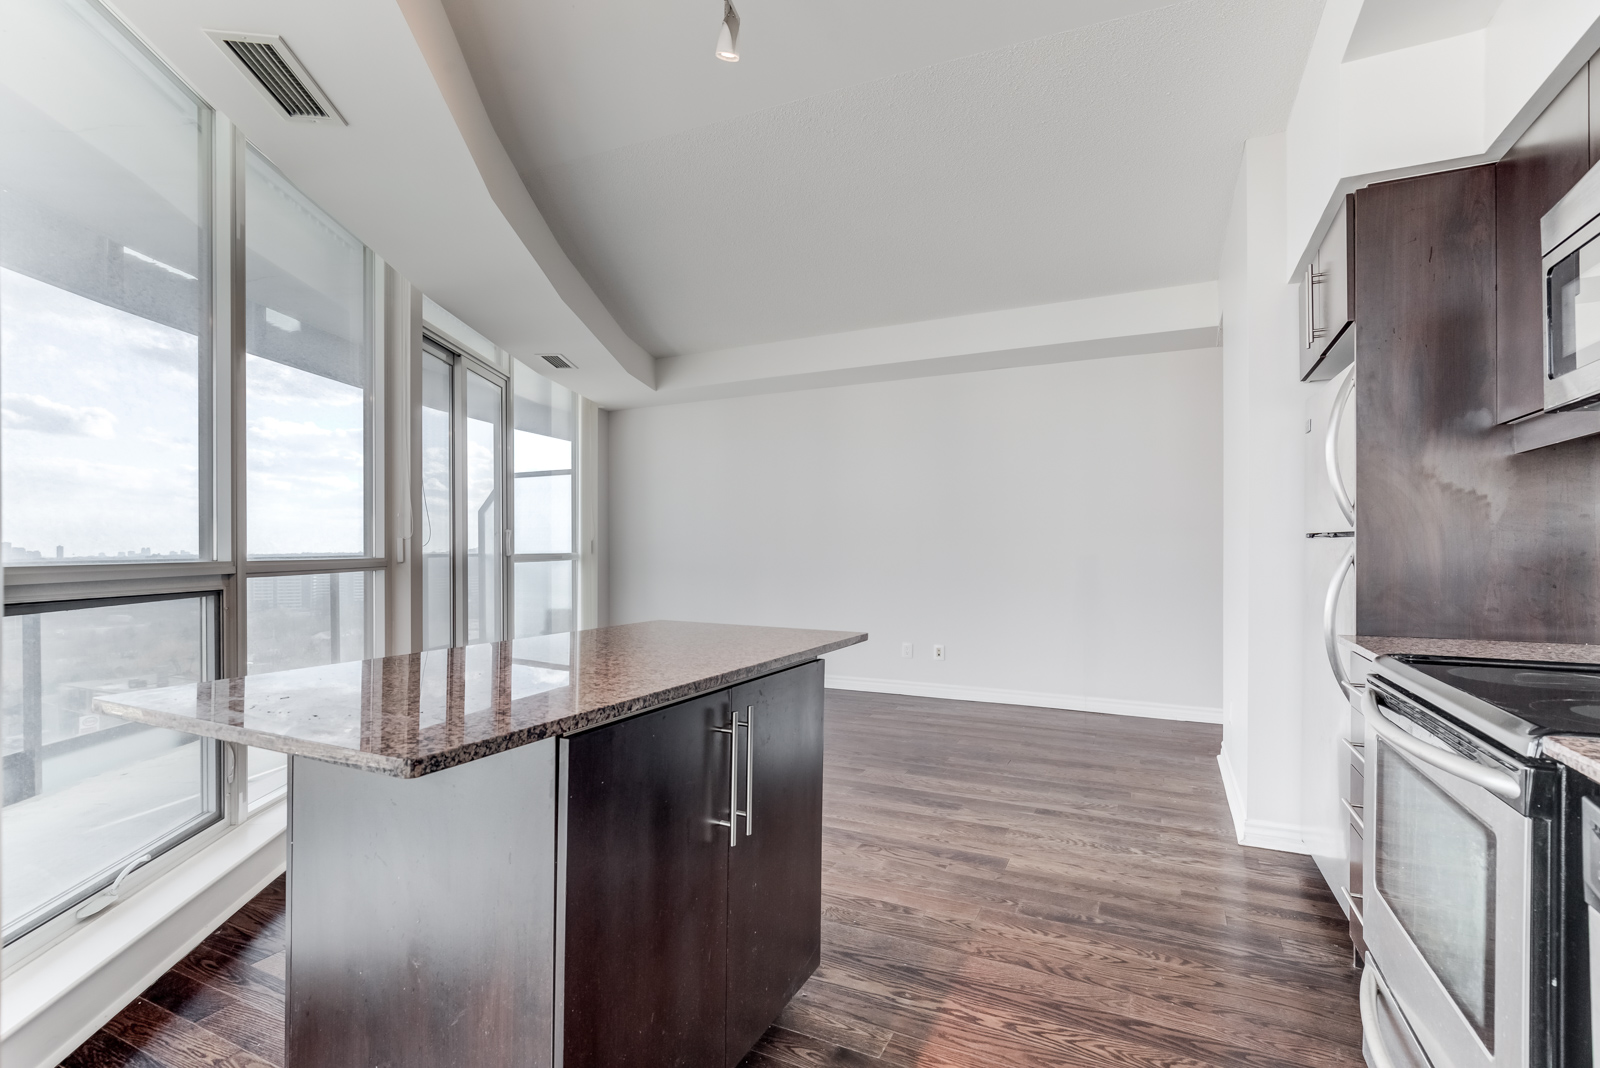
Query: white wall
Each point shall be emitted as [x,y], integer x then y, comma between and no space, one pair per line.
[1057,528]
[1263,543]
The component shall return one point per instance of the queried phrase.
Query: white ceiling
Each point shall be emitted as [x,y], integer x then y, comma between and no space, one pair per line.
[1390,25]
[878,162]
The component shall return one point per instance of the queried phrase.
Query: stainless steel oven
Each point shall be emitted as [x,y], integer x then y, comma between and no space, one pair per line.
[1456,908]
[1570,241]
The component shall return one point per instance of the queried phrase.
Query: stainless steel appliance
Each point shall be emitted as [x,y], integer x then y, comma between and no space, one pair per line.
[1591,898]
[1570,240]
[1462,854]
[1330,752]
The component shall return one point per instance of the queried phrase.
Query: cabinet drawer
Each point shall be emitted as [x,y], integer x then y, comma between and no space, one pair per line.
[1355,786]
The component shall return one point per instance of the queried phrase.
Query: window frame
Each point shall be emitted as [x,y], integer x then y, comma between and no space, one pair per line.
[224,568]
[216,764]
[464,361]
[574,555]
[370,559]
[40,588]
[398,333]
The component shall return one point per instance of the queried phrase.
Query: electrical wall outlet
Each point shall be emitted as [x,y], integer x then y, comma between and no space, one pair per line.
[938,652]
[905,650]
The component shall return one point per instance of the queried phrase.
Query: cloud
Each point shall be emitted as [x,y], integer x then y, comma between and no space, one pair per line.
[29,411]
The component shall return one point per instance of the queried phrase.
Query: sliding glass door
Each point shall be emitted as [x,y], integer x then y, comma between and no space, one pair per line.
[465,536]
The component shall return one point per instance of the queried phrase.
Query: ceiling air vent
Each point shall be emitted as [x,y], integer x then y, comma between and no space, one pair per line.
[279,74]
[556,360]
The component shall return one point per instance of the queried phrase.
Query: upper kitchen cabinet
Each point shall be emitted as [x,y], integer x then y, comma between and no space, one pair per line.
[1328,300]
[1540,168]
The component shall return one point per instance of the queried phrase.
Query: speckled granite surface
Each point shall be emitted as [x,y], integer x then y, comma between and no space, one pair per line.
[418,713]
[1550,652]
[1576,752]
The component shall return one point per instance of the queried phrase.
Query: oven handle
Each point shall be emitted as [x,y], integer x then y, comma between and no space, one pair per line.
[1496,782]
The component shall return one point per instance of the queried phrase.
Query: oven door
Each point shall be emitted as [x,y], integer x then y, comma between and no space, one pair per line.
[1447,905]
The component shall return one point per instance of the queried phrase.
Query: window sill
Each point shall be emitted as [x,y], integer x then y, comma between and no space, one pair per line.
[52,1003]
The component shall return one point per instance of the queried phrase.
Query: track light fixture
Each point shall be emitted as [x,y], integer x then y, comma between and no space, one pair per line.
[728,38]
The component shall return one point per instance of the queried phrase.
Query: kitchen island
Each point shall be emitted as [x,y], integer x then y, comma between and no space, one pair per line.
[593,850]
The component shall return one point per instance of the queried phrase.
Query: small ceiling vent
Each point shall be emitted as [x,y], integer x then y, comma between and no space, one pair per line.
[556,360]
[278,73]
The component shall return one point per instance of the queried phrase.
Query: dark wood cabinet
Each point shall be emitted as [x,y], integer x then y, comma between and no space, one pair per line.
[646,878]
[682,945]
[775,872]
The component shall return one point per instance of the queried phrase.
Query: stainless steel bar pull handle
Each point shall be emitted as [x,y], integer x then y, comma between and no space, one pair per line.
[1330,448]
[1500,783]
[749,770]
[1314,278]
[1330,631]
[732,822]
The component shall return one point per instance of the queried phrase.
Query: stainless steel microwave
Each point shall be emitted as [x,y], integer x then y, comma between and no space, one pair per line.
[1570,239]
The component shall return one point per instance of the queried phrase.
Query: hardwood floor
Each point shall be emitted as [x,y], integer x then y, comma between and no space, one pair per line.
[1002,887]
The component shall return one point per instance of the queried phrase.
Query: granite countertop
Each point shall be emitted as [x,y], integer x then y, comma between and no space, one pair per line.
[418,713]
[1549,652]
[1575,751]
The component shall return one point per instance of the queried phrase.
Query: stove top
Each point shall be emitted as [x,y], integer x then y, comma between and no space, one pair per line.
[1549,698]
[1509,702]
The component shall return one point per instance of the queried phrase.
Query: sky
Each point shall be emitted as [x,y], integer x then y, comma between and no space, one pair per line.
[100,414]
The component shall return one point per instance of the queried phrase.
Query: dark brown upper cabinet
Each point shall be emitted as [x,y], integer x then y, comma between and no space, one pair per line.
[1328,300]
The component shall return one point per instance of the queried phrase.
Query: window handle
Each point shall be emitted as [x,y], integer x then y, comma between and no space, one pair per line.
[108,897]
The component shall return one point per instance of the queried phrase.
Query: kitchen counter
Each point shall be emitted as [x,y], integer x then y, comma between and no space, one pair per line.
[1550,652]
[419,713]
[1575,751]
[588,849]
[1581,754]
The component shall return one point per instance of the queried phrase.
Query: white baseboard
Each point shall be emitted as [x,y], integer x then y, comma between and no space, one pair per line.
[1260,834]
[1110,706]
[1270,834]
[1234,793]
[53,1003]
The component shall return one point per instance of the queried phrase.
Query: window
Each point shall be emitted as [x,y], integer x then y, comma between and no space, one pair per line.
[105,286]
[303,620]
[308,367]
[85,794]
[176,509]
[542,456]
[108,452]
[464,533]
[309,443]
[438,493]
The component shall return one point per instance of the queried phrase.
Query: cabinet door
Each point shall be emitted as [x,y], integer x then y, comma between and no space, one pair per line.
[645,899]
[775,872]
[1327,301]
